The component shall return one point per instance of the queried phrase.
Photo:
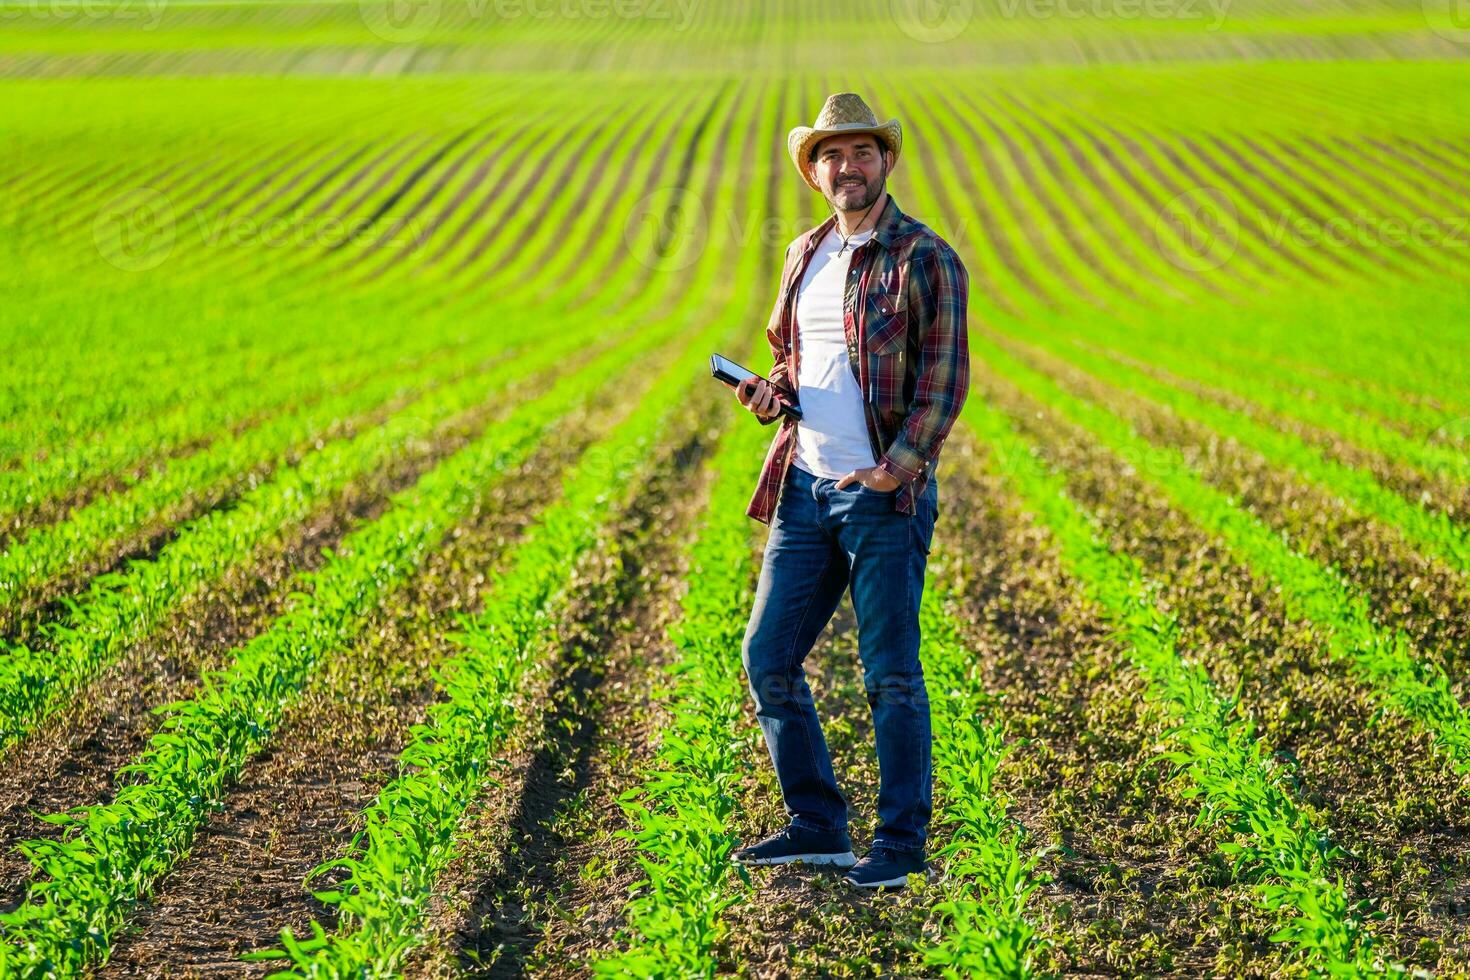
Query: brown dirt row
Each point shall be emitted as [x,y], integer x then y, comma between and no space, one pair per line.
[1421,595]
[534,892]
[1307,179]
[1396,807]
[1410,167]
[547,154]
[320,170]
[289,157]
[354,154]
[380,165]
[71,204]
[1197,150]
[254,203]
[70,760]
[412,179]
[475,181]
[441,180]
[1435,261]
[940,178]
[1421,151]
[1140,157]
[802,921]
[591,181]
[297,802]
[681,173]
[1131,886]
[39,184]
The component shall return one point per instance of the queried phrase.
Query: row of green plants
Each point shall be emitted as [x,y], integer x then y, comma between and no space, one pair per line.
[121,608]
[1434,531]
[1385,658]
[1323,404]
[990,871]
[681,813]
[326,182]
[410,831]
[110,854]
[1239,786]
[1037,252]
[171,493]
[78,388]
[115,378]
[209,412]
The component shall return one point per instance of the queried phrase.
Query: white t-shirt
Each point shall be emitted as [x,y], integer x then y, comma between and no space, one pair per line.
[832,436]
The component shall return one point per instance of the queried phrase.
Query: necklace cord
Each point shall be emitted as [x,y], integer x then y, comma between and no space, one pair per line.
[862,219]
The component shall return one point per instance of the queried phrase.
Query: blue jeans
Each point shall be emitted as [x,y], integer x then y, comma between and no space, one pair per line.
[822,541]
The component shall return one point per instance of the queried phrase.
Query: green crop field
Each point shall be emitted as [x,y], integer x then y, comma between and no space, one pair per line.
[373,553]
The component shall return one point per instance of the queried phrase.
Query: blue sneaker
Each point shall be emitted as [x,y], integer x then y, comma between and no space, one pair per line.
[884,867]
[795,844]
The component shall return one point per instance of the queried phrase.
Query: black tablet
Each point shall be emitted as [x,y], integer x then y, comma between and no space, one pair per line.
[732,374]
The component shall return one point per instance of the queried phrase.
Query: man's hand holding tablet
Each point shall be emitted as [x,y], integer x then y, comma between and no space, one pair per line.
[757,394]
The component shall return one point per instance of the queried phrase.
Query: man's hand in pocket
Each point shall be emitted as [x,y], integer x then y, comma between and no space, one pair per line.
[871,477]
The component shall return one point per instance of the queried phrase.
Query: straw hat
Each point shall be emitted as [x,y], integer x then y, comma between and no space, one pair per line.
[842,114]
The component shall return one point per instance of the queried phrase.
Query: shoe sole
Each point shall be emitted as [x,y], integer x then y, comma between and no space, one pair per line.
[845,860]
[889,883]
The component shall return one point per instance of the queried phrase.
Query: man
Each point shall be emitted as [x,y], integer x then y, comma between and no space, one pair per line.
[869,335]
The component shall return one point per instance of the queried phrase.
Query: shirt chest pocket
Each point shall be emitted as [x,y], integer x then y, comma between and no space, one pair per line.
[887,348]
[887,322]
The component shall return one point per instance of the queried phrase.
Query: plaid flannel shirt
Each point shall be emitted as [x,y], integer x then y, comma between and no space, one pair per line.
[904,315]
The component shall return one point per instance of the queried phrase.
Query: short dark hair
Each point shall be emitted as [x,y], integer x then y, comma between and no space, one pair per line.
[811,156]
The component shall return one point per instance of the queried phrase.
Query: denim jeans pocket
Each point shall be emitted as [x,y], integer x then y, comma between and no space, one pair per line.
[864,488]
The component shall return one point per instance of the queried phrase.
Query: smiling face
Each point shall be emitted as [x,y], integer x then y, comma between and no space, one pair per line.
[850,170]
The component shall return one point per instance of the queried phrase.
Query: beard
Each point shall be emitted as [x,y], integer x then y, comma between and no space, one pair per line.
[856,201]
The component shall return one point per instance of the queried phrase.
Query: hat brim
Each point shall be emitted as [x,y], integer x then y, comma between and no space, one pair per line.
[801,139]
